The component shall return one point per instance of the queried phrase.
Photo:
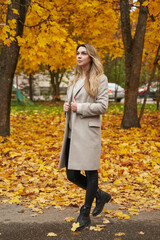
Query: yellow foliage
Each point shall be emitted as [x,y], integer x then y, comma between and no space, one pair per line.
[55,27]
[15,11]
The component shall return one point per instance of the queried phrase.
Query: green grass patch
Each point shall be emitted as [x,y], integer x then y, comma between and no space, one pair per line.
[57,107]
[118,108]
[47,107]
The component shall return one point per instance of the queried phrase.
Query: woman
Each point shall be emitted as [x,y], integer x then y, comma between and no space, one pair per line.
[87,99]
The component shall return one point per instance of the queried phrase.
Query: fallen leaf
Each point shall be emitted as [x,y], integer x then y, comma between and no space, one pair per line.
[97,227]
[51,234]
[74,226]
[22,211]
[70,219]
[76,233]
[105,221]
[142,233]
[119,234]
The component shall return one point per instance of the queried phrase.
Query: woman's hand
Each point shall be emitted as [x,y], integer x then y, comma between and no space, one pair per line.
[66,107]
[74,105]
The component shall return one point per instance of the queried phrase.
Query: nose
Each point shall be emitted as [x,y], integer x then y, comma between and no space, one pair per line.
[79,56]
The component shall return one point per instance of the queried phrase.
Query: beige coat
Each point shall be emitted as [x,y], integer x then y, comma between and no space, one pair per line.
[85,145]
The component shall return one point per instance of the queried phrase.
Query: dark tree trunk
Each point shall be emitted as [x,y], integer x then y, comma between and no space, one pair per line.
[56,78]
[149,83]
[8,62]
[115,96]
[133,59]
[158,90]
[31,87]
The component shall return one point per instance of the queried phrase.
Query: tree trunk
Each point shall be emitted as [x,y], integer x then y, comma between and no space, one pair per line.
[158,89]
[133,59]
[149,83]
[30,87]
[115,65]
[56,78]
[8,62]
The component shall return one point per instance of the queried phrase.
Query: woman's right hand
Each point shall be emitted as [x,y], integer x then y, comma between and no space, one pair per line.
[66,107]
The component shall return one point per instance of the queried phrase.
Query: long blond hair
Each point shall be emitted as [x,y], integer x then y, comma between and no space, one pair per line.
[92,79]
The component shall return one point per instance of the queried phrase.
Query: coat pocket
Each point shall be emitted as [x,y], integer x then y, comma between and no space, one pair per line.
[95,124]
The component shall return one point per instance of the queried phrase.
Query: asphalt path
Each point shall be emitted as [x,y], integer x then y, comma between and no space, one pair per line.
[20,223]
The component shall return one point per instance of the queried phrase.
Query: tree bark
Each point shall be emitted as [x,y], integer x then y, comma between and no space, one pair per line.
[149,83]
[8,62]
[133,60]
[56,78]
[30,87]
[158,89]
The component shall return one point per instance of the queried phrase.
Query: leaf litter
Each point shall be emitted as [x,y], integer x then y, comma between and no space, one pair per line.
[130,164]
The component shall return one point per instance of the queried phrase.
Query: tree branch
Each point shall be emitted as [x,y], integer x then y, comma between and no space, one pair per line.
[141,25]
[38,24]
[126,27]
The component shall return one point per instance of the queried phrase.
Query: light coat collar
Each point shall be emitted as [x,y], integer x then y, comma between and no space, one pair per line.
[76,92]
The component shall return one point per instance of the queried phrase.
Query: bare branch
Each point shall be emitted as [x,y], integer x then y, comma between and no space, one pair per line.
[36,25]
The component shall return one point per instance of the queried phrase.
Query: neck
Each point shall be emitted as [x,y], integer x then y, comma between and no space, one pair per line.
[85,69]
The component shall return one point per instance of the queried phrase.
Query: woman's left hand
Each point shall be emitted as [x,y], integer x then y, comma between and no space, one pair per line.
[74,105]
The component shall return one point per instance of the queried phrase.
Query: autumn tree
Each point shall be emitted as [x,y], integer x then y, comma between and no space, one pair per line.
[50,38]
[15,17]
[133,47]
[140,41]
[46,43]
[52,30]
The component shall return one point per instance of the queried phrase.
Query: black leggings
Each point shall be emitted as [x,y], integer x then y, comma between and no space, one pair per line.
[88,182]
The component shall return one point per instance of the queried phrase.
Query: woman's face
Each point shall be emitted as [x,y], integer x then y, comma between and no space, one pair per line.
[83,59]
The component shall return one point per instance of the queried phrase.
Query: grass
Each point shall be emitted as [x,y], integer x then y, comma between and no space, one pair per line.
[48,107]
[38,107]
[120,107]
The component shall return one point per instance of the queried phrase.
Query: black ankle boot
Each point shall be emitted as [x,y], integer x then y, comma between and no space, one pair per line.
[101,198]
[83,218]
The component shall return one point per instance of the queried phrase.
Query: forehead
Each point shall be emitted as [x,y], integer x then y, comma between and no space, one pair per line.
[82,49]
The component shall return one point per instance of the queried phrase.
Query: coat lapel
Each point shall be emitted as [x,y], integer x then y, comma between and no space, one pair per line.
[70,91]
[69,99]
[78,88]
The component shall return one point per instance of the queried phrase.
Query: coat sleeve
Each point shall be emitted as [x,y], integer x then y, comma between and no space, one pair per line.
[101,101]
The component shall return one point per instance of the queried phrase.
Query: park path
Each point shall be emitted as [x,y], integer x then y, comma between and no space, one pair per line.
[20,223]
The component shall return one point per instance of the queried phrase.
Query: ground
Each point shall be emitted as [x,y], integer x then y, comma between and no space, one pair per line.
[19,223]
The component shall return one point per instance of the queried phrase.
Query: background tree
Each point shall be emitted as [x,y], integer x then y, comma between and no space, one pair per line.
[133,47]
[136,38]
[53,29]
[46,44]
[115,70]
[15,17]
[51,40]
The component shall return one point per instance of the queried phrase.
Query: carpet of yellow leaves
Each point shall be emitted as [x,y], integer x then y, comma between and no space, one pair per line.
[130,163]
